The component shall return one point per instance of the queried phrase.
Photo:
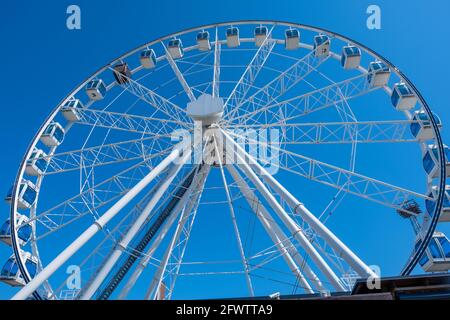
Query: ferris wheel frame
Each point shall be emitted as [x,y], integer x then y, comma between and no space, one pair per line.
[417,253]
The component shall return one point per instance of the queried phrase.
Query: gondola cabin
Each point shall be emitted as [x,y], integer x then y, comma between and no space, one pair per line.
[403,98]
[37,163]
[260,35]
[53,135]
[11,274]
[437,256]
[175,48]
[351,57]
[378,74]
[321,45]
[421,126]
[233,40]
[70,110]
[203,41]
[431,161]
[96,89]
[292,39]
[23,232]
[122,73]
[26,197]
[430,204]
[148,58]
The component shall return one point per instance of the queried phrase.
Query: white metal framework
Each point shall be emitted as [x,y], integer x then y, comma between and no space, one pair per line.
[285,165]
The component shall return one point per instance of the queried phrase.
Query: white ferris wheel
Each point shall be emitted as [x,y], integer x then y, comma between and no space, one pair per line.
[232,159]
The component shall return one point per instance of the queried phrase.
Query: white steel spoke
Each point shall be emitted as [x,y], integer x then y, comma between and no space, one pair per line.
[219,156]
[179,74]
[250,74]
[340,132]
[351,182]
[280,85]
[216,76]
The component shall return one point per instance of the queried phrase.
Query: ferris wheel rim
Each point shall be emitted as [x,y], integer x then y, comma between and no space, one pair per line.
[410,264]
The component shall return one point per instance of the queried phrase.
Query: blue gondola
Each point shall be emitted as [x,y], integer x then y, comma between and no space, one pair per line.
[403,98]
[321,45]
[421,127]
[175,48]
[430,204]
[431,161]
[53,135]
[148,58]
[122,73]
[27,195]
[11,274]
[351,57]
[24,231]
[70,110]
[437,255]
[378,74]
[233,40]
[260,35]
[203,41]
[37,163]
[292,39]
[96,89]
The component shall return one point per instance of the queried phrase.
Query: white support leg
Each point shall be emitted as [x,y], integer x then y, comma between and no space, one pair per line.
[65,255]
[340,248]
[115,256]
[281,241]
[158,277]
[296,232]
[157,242]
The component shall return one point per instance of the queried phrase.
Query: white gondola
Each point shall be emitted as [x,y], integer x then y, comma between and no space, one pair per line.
[233,37]
[403,98]
[431,161]
[27,195]
[24,231]
[175,48]
[421,127]
[53,135]
[292,39]
[11,274]
[351,57]
[431,204]
[321,45]
[148,58]
[96,89]
[260,35]
[378,74]
[203,41]
[437,255]
[37,163]
[70,110]
[122,73]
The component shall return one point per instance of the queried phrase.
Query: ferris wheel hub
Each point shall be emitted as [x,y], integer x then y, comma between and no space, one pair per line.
[206,108]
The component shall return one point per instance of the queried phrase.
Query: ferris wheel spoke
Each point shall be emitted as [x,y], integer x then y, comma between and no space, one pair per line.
[107,154]
[128,122]
[179,74]
[179,239]
[313,101]
[216,75]
[219,156]
[180,206]
[386,131]
[354,183]
[250,74]
[281,84]
[288,251]
[157,101]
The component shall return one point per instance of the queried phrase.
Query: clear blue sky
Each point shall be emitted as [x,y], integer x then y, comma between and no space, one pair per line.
[42,60]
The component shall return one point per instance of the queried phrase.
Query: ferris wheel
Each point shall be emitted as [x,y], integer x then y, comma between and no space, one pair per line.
[233,159]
